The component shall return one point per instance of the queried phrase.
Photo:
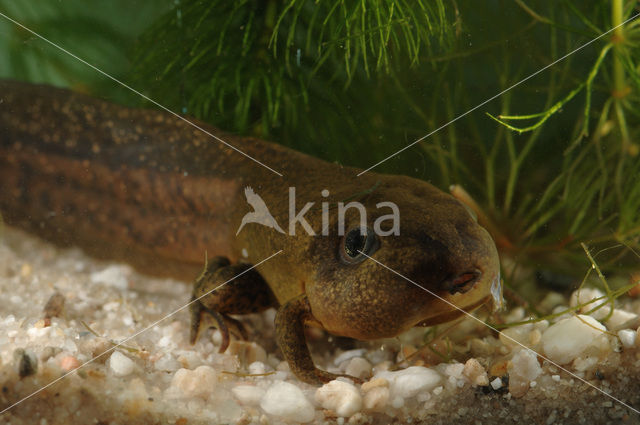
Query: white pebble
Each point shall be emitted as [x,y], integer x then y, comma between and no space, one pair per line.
[524,364]
[523,369]
[567,339]
[127,320]
[555,378]
[475,373]
[515,315]
[248,394]
[257,368]
[621,319]
[411,381]
[120,364]
[496,384]
[557,312]
[166,342]
[453,370]
[582,364]
[584,295]
[288,402]
[194,383]
[516,334]
[627,337]
[397,402]
[376,399]
[341,397]
[358,367]
[348,355]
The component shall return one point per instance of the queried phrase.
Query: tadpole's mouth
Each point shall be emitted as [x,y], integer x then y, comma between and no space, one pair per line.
[462,283]
[453,314]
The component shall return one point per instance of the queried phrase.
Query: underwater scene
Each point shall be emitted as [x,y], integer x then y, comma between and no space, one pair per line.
[297,211]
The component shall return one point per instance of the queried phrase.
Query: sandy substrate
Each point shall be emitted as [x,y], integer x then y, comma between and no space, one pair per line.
[157,377]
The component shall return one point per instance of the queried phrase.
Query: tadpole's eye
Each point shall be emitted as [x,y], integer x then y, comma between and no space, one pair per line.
[463,282]
[356,242]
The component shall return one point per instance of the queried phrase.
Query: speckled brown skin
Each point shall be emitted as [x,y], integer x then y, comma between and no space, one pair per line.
[145,187]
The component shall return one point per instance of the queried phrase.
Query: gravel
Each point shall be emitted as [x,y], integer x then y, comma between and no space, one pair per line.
[341,397]
[60,309]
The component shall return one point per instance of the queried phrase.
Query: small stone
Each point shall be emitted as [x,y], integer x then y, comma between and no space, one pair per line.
[516,336]
[561,313]
[120,364]
[376,399]
[569,338]
[68,363]
[453,370]
[621,319]
[555,378]
[481,348]
[248,394]
[515,315]
[627,338]
[523,369]
[499,368]
[551,300]
[542,325]
[359,419]
[584,296]
[582,364]
[374,383]
[194,383]
[496,384]
[27,362]
[25,270]
[341,397]
[48,352]
[411,381]
[348,355]
[525,364]
[358,367]
[534,338]
[55,306]
[257,368]
[475,373]
[287,402]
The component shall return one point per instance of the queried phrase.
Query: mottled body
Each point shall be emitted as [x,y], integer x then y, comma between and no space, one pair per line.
[145,187]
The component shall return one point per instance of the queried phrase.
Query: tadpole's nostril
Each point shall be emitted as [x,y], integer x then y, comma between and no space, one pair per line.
[463,282]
